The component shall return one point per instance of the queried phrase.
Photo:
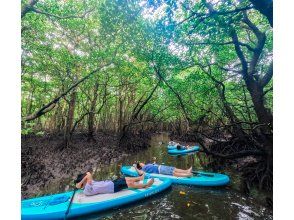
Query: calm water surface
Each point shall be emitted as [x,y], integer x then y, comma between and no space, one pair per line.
[195,203]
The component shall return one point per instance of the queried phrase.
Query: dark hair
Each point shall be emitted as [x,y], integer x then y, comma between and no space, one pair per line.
[179,147]
[89,169]
[80,177]
[138,166]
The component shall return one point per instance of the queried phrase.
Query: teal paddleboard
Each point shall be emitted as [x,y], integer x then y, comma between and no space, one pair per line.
[55,206]
[184,151]
[199,179]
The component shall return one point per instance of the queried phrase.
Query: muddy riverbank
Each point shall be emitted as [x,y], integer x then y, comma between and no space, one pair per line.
[43,165]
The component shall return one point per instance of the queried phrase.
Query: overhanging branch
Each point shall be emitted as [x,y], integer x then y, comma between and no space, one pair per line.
[48,107]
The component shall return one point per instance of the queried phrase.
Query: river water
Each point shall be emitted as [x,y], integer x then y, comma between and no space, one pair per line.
[182,202]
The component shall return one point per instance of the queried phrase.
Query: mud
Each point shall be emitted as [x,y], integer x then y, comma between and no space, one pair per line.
[43,162]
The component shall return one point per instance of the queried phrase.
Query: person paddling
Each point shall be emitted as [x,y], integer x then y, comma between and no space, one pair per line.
[141,168]
[91,187]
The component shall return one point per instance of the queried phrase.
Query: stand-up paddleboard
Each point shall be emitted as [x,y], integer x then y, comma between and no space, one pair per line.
[55,206]
[199,179]
[185,151]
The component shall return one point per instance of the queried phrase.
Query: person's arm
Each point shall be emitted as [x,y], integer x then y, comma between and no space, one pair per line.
[140,185]
[87,179]
[80,184]
[140,172]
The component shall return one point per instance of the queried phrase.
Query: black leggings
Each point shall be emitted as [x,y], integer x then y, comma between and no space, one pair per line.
[119,184]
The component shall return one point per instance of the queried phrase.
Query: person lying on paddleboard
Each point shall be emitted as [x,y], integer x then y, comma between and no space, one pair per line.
[141,168]
[172,143]
[91,187]
[181,147]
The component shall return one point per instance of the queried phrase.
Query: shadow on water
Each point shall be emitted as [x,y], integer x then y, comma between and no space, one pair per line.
[182,202]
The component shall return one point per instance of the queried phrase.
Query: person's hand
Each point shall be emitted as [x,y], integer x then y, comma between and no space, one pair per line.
[150,183]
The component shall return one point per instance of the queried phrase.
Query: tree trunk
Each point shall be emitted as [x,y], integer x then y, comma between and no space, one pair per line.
[247,107]
[254,86]
[265,7]
[70,118]
[120,113]
[263,114]
[220,86]
[237,129]
[136,111]
[92,112]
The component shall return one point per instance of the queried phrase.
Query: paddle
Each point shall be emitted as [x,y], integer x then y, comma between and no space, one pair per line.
[67,211]
[203,174]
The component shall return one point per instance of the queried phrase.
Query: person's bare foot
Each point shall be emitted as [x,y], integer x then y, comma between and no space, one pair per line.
[190,170]
[150,183]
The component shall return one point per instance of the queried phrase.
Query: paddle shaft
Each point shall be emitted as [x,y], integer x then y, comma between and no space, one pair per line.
[70,202]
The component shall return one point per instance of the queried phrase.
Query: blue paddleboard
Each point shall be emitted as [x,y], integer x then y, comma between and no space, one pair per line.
[199,179]
[55,206]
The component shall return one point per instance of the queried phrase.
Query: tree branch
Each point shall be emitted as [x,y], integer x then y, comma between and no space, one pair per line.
[265,7]
[157,71]
[60,17]
[28,7]
[223,43]
[268,76]
[207,15]
[48,107]
[234,155]
[240,53]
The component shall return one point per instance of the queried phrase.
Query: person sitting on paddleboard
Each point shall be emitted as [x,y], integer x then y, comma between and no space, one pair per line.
[91,187]
[141,168]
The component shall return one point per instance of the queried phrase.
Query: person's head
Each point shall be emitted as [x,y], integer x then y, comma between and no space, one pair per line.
[179,147]
[89,169]
[79,178]
[139,165]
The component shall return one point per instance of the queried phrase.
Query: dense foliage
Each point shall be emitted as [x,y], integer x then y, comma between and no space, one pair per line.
[202,68]
[186,46]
